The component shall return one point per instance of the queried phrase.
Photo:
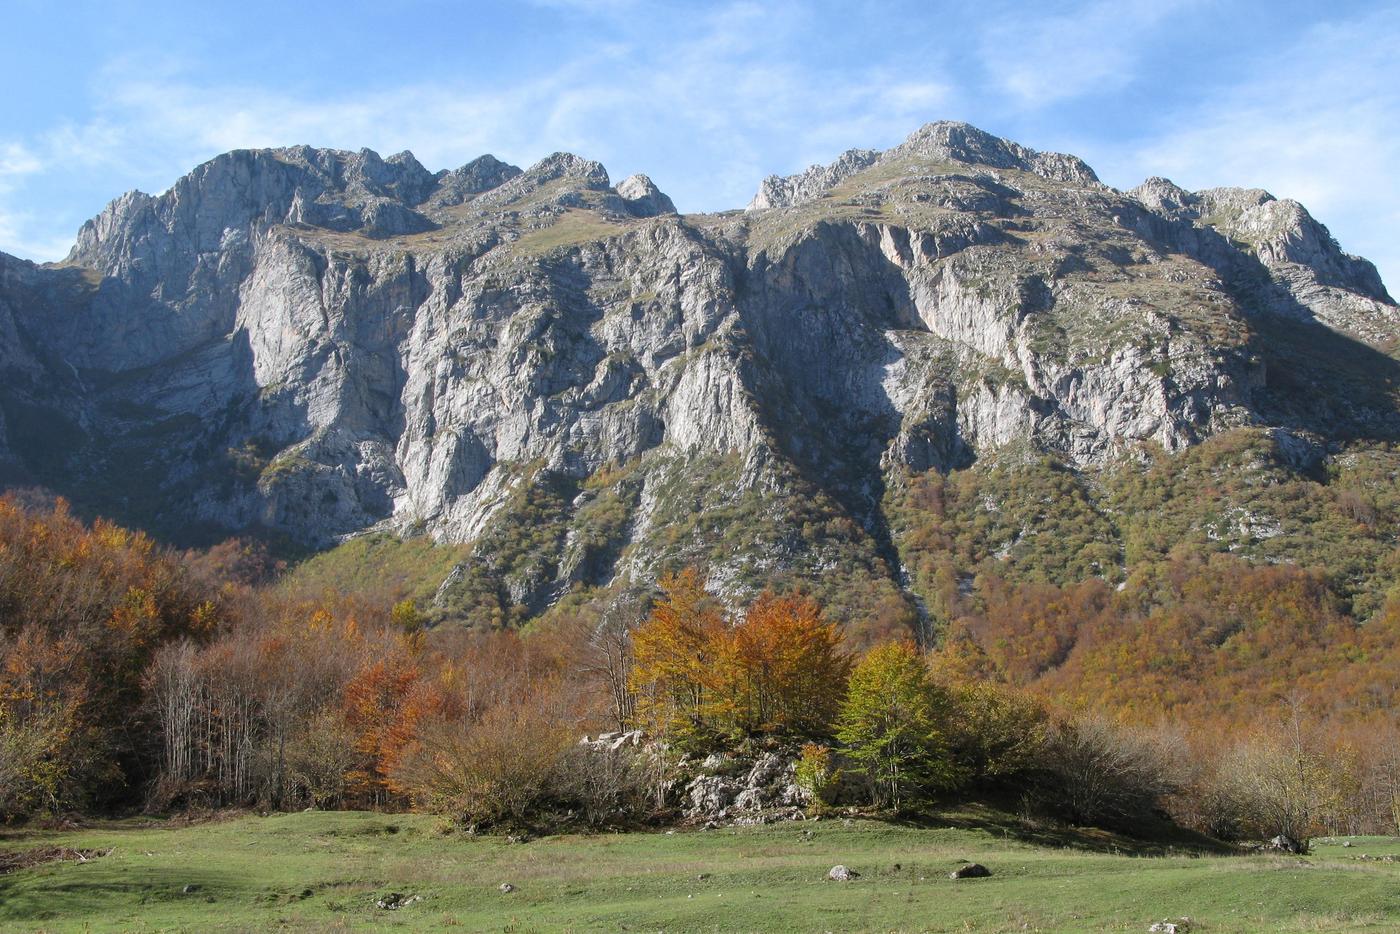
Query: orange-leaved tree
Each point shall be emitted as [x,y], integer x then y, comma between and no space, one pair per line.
[784,669]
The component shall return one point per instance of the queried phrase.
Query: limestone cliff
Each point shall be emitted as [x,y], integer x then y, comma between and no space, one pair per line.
[588,385]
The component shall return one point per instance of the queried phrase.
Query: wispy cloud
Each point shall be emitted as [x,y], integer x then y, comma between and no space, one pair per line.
[706,104]
[1037,59]
[24,236]
[1321,132]
[19,229]
[17,159]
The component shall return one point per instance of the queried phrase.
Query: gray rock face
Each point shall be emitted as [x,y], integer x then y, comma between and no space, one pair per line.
[1298,268]
[643,198]
[959,142]
[323,342]
[778,191]
[744,792]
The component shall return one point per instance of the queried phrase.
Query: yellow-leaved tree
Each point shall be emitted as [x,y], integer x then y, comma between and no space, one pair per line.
[677,653]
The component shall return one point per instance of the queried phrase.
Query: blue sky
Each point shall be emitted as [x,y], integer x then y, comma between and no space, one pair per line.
[1300,98]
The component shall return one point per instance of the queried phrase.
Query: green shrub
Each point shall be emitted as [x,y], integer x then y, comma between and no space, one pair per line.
[818,777]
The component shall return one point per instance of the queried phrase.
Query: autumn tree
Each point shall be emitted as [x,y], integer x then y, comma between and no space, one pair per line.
[608,653]
[1103,772]
[997,733]
[321,756]
[406,618]
[889,723]
[83,609]
[677,652]
[782,670]
[1281,780]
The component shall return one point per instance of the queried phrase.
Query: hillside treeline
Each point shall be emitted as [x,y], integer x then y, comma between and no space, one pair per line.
[1239,700]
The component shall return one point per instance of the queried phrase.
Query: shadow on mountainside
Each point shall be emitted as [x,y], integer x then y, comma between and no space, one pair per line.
[1317,379]
[1323,381]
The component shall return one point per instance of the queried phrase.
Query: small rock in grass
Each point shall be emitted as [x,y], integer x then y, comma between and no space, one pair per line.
[396,900]
[703,876]
[1179,926]
[507,888]
[970,871]
[190,889]
[842,874]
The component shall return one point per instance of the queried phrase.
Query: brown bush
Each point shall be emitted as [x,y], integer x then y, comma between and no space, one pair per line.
[1102,773]
[497,768]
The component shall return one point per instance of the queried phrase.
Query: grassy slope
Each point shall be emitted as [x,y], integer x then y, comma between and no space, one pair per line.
[406,567]
[322,871]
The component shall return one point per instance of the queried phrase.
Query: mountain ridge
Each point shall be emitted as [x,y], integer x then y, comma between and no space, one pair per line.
[587,386]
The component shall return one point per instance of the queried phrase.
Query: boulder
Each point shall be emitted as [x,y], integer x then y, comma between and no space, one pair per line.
[1179,926]
[839,873]
[970,871]
[1286,844]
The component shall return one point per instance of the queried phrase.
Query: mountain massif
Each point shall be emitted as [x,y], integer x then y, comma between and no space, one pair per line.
[889,379]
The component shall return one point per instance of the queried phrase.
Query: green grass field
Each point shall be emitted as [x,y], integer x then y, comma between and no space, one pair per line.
[324,871]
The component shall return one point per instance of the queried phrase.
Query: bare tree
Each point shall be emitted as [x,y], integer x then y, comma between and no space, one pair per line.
[1107,772]
[1282,780]
[609,654]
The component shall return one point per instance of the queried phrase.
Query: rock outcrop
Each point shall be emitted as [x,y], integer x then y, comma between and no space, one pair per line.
[580,381]
[743,791]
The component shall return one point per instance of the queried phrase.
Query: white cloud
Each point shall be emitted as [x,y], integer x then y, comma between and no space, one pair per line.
[1040,59]
[17,159]
[710,109]
[18,233]
[1317,126]
[707,101]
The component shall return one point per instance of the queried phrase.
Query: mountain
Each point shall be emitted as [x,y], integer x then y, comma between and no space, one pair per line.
[883,378]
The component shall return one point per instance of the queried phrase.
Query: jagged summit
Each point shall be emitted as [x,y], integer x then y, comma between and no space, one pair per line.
[644,199]
[337,191]
[962,142]
[941,141]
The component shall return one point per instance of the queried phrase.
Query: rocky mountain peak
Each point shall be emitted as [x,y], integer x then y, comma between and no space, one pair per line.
[1163,196]
[952,141]
[481,174]
[1281,235]
[570,171]
[784,191]
[942,141]
[643,198]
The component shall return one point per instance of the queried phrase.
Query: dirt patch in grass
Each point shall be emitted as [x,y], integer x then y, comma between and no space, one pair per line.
[26,859]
